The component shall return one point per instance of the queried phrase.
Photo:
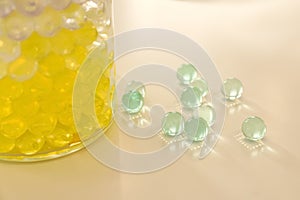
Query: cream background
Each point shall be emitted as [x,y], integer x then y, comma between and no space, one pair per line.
[257,41]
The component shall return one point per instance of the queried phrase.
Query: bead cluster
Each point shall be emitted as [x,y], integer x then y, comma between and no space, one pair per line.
[42,46]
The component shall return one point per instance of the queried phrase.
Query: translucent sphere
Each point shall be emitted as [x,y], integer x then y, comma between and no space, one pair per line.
[25,106]
[13,127]
[132,102]
[35,47]
[201,84]
[10,88]
[17,26]
[232,89]
[173,124]
[60,137]
[22,69]
[191,97]
[52,64]
[207,113]
[187,73]
[6,144]
[30,144]
[48,23]
[196,129]
[136,86]
[254,128]
[9,49]
[3,69]
[60,4]
[6,6]
[5,107]
[30,7]
[73,16]
[43,124]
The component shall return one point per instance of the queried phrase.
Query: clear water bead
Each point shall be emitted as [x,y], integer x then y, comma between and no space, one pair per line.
[17,26]
[232,89]
[187,73]
[196,129]
[132,102]
[208,113]
[60,4]
[254,128]
[201,84]
[48,22]
[9,49]
[6,6]
[136,86]
[191,97]
[30,7]
[173,124]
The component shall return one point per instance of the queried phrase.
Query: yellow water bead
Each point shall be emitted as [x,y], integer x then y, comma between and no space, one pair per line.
[104,117]
[13,126]
[26,106]
[86,34]
[5,107]
[22,68]
[6,144]
[54,102]
[76,58]
[38,86]
[65,117]
[63,42]
[103,88]
[35,47]
[64,82]
[60,138]
[43,124]
[10,88]
[52,64]
[30,144]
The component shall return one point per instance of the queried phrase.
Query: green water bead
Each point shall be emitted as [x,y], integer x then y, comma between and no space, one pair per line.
[136,86]
[187,73]
[196,129]
[232,89]
[254,128]
[208,113]
[30,144]
[132,102]
[173,124]
[6,144]
[13,127]
[191,97]
[201,84]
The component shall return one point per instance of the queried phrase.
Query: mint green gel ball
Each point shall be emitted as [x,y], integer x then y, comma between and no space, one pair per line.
[254,128]
[196,129]
[173,124]
[133,102]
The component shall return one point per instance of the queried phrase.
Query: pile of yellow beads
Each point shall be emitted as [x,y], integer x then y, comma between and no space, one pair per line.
[39,61]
